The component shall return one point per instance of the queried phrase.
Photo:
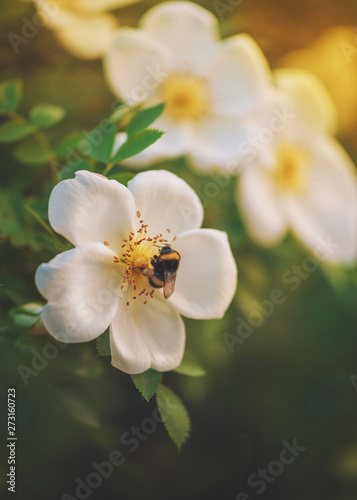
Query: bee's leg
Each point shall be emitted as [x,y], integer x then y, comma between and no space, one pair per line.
[146,271]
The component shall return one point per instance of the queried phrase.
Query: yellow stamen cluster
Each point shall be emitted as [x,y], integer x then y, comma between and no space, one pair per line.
[186,97]
[291,173]
[138,250]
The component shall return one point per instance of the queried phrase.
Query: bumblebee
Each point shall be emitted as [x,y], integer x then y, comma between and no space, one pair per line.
[163,274]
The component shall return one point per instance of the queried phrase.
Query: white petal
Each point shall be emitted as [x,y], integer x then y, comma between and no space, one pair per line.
[325,218]
[260,207]
[313,103]
[207,277]
[87,36]
[238,76]
[187,29]
[175,142]
[82,287]
[52,14]
[92,208]
[216,144]
[147,336]
[166,202]
[136,64]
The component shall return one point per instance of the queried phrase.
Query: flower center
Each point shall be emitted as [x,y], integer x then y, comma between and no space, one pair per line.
[291,171]
[138,250]
[186,97]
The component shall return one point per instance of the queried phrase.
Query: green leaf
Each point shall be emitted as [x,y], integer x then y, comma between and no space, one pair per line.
[147,382]
[10,95]
[12,131]
[120,113]
[69,170]
[40,208]
[46,115]
[190,368]
[30,152]
[123,177]
[103,344]
[44,224]
[173,414]
[99,143]
[11,212]
[67,146]
[144,118]
[136,143]
[26,316]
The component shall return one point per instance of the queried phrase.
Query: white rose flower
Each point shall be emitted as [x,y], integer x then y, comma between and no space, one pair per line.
[83,27]
[297,176]
[105,281]
[209,86]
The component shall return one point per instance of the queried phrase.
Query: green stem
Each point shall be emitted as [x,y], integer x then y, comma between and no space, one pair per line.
[44,225]
[108,168]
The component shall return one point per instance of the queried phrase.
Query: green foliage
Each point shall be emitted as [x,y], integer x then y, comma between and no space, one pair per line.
[40,208]
[27,315]
[13,131]
[68,144]
[123,177]
[72,167]
[46,115]
[121,113]
[103,344]
[144,118]
[173,414]
[147,382]
[11,211]
[99,143]
[32,153]
[10,95]
[190,367]
[137,143]
[55,239]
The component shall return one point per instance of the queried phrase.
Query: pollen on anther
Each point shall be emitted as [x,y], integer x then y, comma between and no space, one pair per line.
[168,231]
[174,238]
[127,303]
[106,243]
[138,213]
[145,302]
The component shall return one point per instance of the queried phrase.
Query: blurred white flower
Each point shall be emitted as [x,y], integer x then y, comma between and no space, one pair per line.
[102,281]
[209,86]
[298,176]
[83,27]
[332,57]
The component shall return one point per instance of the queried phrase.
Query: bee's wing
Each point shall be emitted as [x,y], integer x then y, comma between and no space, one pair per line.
[169,284]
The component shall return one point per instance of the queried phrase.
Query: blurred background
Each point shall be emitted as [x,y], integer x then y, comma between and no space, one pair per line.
[294,377]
